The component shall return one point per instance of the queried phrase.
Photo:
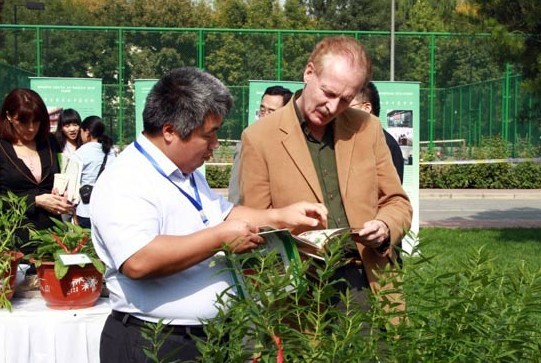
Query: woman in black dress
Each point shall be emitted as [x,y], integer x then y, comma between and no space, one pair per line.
[29,159]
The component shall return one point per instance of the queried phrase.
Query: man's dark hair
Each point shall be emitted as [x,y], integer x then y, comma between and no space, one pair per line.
[184,97]
[279,91]
[370,94]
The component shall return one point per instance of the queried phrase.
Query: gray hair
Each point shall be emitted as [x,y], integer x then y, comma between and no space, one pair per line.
[184,98]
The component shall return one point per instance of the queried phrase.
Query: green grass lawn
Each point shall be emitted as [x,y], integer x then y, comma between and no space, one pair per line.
[509,247]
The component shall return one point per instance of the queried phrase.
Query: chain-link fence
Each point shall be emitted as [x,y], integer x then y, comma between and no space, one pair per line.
[466,92]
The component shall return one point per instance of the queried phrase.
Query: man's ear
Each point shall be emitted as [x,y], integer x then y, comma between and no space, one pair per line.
[309,72]
[367,107]
[168,132]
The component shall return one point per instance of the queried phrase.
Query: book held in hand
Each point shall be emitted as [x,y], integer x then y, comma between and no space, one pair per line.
[287,248]
[69,181]
[312,243]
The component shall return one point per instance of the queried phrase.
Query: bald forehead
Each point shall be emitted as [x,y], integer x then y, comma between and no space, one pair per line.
[342,77]
[353,64]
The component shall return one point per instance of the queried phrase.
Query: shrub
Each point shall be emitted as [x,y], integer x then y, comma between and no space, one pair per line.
[490,176]
[472,313]
[218,175]
[501,175]
[491,148]
[475,312]
[287,315]
[525,175]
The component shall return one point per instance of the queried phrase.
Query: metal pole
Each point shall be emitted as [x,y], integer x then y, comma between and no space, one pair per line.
[16,41]
[39,63]
[392,41]
[200,49]
[506,102]
[120,39]
[279,45]
[515,115]
[432,94]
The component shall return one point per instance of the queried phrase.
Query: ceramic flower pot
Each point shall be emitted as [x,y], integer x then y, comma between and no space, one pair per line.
[16,257]
[80,288]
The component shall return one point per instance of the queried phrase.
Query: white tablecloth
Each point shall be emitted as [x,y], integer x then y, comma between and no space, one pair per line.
[33,333]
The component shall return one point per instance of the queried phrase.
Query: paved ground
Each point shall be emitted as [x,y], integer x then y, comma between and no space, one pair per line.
[468,208]
[477,208]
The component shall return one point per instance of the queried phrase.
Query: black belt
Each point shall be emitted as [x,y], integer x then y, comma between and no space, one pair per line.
[128,319]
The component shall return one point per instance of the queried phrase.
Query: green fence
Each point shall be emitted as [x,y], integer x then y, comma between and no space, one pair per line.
[466,94]
[464,115]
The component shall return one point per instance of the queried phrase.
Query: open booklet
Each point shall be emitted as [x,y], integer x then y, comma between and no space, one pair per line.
[312,243]
[69,181]
[287,247]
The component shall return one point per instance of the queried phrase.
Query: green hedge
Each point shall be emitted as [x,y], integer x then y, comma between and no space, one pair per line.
[481,176]
[526,175]
[218,175]
[458,176]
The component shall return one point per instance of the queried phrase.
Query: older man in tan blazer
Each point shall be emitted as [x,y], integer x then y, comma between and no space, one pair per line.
[318,149]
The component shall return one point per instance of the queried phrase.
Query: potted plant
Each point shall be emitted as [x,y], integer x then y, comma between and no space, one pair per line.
[69,270]
[12,219]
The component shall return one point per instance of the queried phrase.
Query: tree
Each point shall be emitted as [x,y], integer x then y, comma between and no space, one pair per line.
[350,14]
[516,26]
[412,53]
[296,14]
[238,57]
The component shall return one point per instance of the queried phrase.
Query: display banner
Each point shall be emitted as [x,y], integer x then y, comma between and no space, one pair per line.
[399,115]
[142,88]
[84,95]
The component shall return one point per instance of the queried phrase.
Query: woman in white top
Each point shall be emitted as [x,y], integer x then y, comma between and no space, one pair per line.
[68,134]
[96,144]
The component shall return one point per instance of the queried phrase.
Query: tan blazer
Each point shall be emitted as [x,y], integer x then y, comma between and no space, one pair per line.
[276,170]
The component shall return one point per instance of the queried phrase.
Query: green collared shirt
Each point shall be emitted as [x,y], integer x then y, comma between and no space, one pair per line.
[324,159]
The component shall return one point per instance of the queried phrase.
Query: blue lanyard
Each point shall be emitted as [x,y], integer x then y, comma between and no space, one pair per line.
[195,202]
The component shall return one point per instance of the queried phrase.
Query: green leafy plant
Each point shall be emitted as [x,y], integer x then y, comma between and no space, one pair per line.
[293,314]
[12,218]
[489,175]
[525,175]
[468,311]
[64,238]
[155,335]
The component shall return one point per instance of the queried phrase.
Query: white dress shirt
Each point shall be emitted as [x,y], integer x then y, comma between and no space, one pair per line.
[131,204]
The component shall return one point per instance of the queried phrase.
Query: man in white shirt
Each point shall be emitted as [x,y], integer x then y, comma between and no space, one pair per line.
[158,226]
